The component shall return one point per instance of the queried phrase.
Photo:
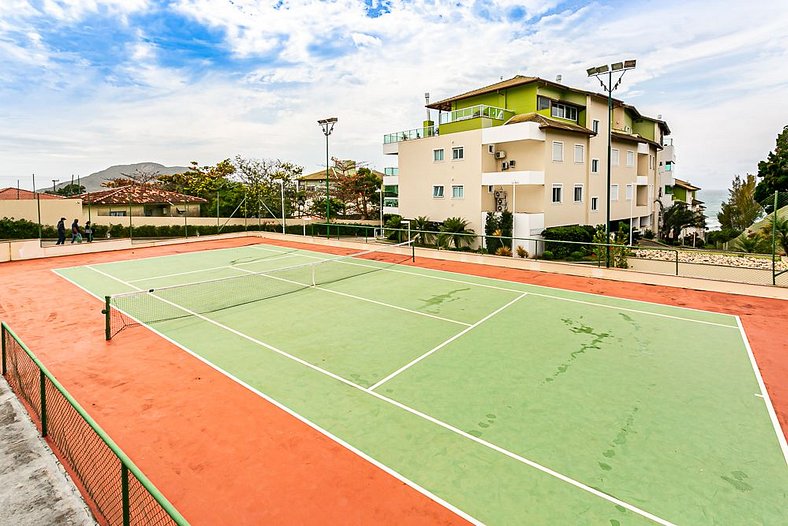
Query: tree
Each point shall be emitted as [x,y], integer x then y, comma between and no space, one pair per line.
[138,176]
[424,227]
[356,186]
[454,231]
[207,182]
[677,217]
[264,180]
[774,171]
[741,209]
[780,226]
[69,190]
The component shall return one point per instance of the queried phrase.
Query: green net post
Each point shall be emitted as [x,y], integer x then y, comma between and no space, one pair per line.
[677,262]
[42,380]
[2,338]
[107,318]
[124,491]
[413,252]
[774,240]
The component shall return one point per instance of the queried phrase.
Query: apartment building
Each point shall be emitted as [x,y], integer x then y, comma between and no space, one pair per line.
[534,147]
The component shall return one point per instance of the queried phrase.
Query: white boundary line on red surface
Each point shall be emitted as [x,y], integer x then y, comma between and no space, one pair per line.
[764,393]
[299,417]
[408,409]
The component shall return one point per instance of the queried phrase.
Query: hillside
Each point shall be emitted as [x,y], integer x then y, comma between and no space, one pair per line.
[93,181]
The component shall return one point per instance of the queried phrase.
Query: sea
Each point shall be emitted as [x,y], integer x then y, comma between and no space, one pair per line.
[712,200]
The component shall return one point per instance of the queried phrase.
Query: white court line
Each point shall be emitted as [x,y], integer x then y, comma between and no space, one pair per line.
[297,416]
[360,298]
[444,344]
[208,269]
[425,416]
[765,394]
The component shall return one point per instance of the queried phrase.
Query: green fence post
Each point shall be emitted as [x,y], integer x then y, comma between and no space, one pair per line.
[774,240]
[677,262]
[107,319]
[42,379]
[2,337]
[124,491]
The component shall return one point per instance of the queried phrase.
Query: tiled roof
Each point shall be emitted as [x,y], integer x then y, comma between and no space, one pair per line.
[517,80]
[320,175]
[142,194]
[619,134]
[685,185]
[12,194]
[547,122]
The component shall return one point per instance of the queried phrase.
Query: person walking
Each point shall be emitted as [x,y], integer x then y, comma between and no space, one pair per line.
[74,230]
[89,232]
[61,231]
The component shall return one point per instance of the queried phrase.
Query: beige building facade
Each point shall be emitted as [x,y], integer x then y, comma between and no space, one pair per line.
[548,167]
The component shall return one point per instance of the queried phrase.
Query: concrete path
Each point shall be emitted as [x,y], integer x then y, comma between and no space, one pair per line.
[34,488]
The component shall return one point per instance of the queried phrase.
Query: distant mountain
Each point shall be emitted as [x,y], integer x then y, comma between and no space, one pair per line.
[92,182]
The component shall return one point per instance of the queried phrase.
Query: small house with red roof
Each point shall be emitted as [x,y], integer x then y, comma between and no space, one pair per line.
[143,200]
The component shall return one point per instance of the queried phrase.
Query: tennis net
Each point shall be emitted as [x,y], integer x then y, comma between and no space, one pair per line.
[204,297]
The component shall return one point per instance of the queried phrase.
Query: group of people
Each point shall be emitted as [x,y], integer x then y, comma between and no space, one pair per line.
[76,232]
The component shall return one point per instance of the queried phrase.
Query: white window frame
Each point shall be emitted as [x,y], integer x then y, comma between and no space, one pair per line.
[561,145]
[461,189]
[563,111]
[630,192]
[457,153]
[560,188]
[615,157]
[574,193]
[442,155]
[435,194]
[582,150]
[630,158]
[650,161]
[594,166]
[614,192]
[595,126]
[595,204]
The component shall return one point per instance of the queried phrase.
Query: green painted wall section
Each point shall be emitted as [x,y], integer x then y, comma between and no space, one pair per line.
[679,194]
[644,128]
[466,125]
[568,95]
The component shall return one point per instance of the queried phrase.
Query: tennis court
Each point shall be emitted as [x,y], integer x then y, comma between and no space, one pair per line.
[503,401]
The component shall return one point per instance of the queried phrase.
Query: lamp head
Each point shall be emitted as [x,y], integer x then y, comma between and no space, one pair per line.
[630,64]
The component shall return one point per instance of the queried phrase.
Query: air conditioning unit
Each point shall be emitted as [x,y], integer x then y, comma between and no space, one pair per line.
[500,154]
[504,165]
[511,163]
[499,208]
[491,149]
[499,194]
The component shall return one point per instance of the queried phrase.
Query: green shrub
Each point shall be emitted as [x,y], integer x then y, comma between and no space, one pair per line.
[504,251]
[11,228]
[648,234]
[576,255]
[522,252]
[547,254]
[575,233]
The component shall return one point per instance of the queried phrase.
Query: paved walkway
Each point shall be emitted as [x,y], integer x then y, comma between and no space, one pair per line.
[34,489]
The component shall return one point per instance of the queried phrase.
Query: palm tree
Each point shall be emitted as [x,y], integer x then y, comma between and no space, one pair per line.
[424,226]
[454,231]
[780,224]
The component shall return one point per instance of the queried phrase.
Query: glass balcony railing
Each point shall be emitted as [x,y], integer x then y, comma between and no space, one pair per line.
[391,171]
[482,110]
[409,135]
[392,202]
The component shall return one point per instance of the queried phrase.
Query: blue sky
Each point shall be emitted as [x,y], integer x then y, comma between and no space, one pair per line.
[85,84]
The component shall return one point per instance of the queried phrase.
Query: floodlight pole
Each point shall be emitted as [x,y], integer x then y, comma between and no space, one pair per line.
[598,72]
[328,126]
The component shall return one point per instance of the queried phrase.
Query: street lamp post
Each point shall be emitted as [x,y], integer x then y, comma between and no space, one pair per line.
[600,72]
[328,126]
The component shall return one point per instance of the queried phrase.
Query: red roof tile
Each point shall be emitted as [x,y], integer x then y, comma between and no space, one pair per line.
[12,194]
[145,194]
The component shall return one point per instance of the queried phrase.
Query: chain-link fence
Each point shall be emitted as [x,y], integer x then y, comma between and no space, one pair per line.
[114,488]
[767,267]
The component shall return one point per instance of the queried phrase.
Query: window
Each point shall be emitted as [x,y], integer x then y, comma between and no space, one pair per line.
[594,166]
[629,192]
[668,189]
[437,192]
[558,151]
[579,153]
[437,155]
[578,193]
[457,192]
[614,192]
[651,161]
[557,189]
[458,153]
[668,166]
[595,126]
[542,103]
[562,111]
[630,158]
[594,204]
[614,157]
[117,213]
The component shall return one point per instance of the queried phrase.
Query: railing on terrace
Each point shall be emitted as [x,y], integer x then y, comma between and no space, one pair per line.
[473,112]
[391,171]
[410,135]
[116,490]
[391,201]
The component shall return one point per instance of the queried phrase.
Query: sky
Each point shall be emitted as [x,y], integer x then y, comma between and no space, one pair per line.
[86,84]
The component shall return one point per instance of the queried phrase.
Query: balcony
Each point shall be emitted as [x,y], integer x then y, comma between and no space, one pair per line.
[391,140]
[391,205]
[474,112]
[522,131]
[642,180]
[390,171]
[509,177]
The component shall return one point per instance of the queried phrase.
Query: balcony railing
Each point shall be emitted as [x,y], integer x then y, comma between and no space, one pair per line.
[391,171]
[409,135]
[482,110]
[391,202]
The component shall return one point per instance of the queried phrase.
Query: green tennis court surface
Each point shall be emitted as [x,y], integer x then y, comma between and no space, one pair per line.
[507,402]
